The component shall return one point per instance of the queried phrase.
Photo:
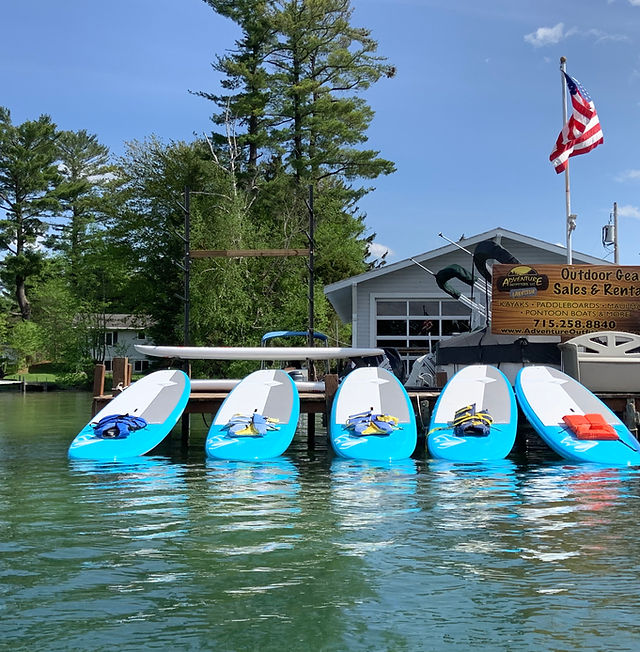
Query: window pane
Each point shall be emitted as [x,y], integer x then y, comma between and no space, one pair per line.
[392,327]
[392,308]
[420,347]
[417,308]
[455,308]
[422,343]
[423,327]
[454,326]
[393,344]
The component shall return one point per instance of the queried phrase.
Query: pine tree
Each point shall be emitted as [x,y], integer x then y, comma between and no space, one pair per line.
[28,179]
[294,81]
[83,165]
[321,65]
[246,77]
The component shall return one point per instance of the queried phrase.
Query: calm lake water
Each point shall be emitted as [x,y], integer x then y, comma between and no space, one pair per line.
[306,552]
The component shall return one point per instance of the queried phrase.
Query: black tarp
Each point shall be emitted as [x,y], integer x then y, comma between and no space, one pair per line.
[483,347]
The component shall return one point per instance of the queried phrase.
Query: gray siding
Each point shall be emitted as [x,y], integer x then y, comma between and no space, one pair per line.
[414,281]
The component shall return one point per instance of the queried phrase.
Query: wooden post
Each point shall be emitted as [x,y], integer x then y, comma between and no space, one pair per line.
[311,431]
[98,379]
[330,389]
[185,422]
[119,366]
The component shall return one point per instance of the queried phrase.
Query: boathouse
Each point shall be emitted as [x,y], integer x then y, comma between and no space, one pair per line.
[401,306]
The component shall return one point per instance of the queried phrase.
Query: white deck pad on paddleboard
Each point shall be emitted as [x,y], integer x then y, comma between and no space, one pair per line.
[479,385]
[552,395]
[375,391]
[256,352]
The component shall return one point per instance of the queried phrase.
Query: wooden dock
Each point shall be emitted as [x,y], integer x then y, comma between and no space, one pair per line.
[625,405]
[208,402]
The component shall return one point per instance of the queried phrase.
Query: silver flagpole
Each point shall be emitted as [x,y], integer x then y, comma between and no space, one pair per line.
[570,219]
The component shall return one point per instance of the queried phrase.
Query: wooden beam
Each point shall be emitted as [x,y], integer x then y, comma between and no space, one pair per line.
[244,253]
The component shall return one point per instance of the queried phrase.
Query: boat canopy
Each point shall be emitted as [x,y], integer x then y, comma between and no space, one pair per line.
[484,347]
[273,334]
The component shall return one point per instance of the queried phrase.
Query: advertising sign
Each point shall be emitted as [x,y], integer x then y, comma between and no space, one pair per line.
[565,299]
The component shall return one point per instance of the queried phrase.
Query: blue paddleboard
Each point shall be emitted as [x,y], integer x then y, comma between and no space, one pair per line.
[547,395]
[158,399]
[475,417]
[257,420]
[372,417]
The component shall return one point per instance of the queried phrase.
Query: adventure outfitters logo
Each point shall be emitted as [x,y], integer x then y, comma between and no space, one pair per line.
[522,281]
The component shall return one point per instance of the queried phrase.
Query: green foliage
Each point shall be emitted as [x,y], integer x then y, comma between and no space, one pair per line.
[246,79]
[28,178]
[147,225]
[27,341]
[294,82]
[84,238]
[320,67]
[4,326]
[73,380]
[86,175]
[56,310]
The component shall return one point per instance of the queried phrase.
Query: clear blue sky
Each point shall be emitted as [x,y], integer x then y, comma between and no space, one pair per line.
[469,120]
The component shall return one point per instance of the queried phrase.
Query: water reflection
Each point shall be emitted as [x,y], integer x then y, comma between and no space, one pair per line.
[144,498]
[371,496]
[252,497]
[267,539]
[321,553]
[473,496]
[564,506]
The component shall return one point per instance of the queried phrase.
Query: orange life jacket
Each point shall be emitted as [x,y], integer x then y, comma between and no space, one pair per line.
[590,426]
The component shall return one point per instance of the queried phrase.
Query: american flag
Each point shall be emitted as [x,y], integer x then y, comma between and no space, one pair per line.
[582,132]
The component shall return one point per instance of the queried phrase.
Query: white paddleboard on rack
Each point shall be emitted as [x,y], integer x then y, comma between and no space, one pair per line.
[257,352]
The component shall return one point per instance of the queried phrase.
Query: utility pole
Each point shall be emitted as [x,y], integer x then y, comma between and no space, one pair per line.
[616,256]
[187,264]
[311,236]
[186,302]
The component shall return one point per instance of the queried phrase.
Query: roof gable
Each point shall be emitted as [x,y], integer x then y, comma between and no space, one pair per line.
[498,232]
[341,293]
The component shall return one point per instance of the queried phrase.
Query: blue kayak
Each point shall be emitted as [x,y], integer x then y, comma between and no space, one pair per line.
[475,417]
[372,417]
[136,420]
[257,420]
[572,420]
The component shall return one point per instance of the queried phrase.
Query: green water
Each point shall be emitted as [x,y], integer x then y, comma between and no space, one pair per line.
[307,552]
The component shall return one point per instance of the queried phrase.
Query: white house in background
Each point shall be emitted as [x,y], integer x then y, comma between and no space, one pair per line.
[401,306]
[120,332]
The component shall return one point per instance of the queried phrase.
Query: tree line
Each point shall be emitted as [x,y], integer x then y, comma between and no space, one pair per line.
[85,234]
